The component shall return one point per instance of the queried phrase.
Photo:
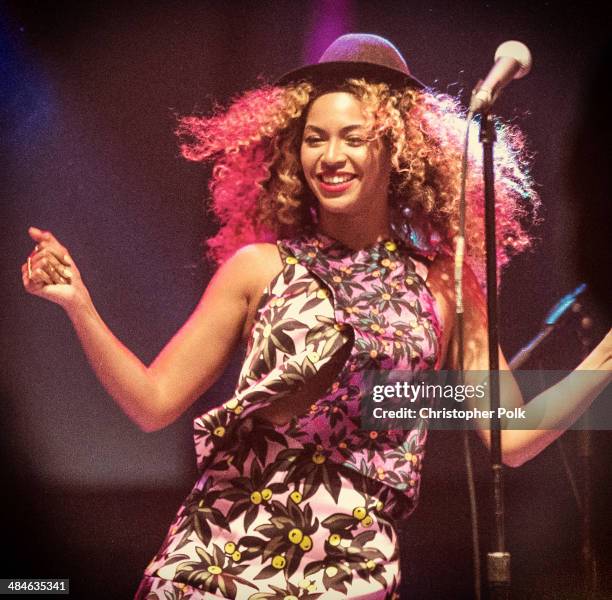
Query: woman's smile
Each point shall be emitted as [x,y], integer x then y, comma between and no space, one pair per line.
[346,168]
[336,182]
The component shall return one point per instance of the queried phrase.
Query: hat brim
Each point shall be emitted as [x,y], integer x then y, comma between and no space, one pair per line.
[328,73]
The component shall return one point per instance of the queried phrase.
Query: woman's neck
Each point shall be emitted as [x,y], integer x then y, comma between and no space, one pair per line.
[353,231]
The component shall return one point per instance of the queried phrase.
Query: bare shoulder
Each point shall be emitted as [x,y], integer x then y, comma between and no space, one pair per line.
[256,252]
[440,280]
[249,264]
[264,263]
[254,266]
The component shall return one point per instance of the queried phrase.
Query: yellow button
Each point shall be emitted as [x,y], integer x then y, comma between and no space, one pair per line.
[318,458]
[306,543]
[367,521]
[359,512]
[278,562]
[295,535]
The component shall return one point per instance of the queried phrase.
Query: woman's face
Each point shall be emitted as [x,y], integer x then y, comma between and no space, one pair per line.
[347,171]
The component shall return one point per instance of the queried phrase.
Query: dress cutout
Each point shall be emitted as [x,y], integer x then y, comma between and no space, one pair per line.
[307,509]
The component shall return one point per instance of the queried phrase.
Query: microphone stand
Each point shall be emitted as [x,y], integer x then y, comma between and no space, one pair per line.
[585,454]
[498,560]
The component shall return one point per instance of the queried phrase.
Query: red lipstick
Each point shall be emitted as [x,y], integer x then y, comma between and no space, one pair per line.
[334,188]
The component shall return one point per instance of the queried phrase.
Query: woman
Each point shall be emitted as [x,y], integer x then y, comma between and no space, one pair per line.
[353,169]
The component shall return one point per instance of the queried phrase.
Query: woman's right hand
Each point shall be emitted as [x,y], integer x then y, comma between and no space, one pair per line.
[50,272]
[154,396]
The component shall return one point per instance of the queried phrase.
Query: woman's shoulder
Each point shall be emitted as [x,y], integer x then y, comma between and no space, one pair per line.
[255,252]
[255,265]
[441,276]
[258,256]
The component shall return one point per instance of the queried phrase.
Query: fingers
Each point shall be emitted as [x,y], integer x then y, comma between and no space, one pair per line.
[30,283]
[45,240]
[46,262]
[37,280]
[56,274]
[39,235]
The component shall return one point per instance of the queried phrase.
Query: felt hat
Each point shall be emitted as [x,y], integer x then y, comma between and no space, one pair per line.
[356,55]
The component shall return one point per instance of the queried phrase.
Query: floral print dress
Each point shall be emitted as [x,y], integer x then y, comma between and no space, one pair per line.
[307,510]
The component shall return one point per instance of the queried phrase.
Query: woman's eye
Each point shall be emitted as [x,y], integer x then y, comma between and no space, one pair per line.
[312,139]
[356,141]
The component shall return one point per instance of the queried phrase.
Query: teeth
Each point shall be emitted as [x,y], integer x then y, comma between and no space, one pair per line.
[335,179]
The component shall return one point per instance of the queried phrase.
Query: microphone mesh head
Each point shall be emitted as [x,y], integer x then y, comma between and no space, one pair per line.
[519,52]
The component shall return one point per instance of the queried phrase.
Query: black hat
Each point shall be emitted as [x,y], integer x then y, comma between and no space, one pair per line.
[357,55]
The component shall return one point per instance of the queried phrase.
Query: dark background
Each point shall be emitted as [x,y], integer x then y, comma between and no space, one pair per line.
[89,97]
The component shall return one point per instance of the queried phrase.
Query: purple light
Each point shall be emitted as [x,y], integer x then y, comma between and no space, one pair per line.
[329,20]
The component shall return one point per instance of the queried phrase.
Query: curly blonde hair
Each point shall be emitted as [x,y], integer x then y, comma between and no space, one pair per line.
[259,192]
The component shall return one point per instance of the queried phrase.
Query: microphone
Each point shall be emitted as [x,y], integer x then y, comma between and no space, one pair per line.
[512,61]
[552,320]
[559,309]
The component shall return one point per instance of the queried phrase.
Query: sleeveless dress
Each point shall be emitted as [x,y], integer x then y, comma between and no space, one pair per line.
[308,510]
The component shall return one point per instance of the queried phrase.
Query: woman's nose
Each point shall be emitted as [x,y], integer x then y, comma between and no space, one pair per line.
[333,155]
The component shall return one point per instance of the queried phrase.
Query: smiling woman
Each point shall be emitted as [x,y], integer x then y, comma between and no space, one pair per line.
[352,168]
[346,165]
[263,187]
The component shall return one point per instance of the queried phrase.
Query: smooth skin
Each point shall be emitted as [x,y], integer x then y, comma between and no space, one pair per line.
[336,139]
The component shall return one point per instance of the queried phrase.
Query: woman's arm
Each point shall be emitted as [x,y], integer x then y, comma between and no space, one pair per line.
[152,396]
[555,409]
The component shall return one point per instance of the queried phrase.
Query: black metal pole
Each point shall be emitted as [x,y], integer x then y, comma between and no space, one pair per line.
[585,454]
[498,560]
